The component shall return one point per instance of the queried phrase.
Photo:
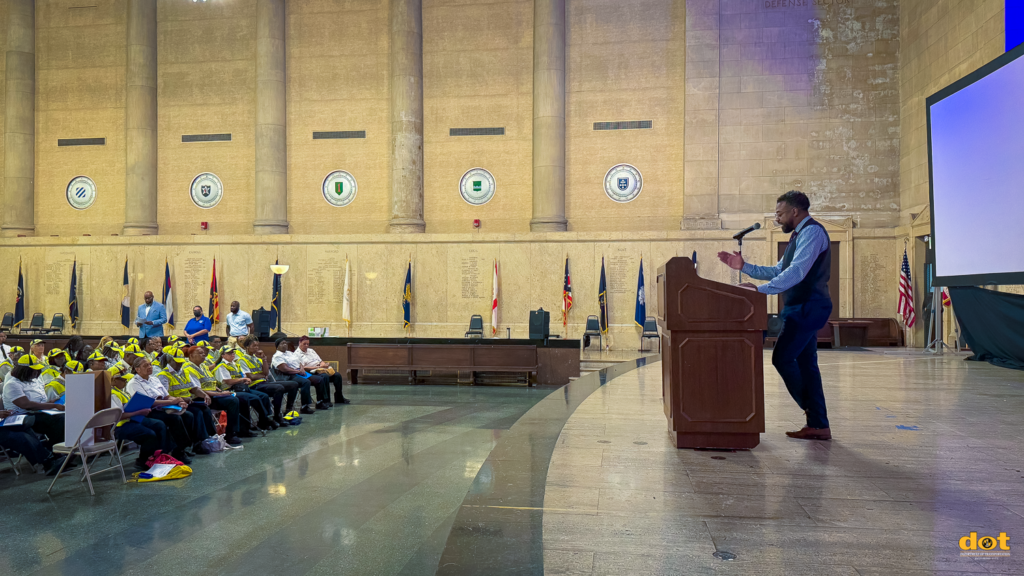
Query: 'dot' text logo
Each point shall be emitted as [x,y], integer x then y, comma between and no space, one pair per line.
[985,546]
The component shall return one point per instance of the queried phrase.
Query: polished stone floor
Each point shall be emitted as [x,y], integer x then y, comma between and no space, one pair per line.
[579,479]
[925,450]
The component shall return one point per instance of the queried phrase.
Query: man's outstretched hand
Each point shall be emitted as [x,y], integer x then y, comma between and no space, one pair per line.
[732,260]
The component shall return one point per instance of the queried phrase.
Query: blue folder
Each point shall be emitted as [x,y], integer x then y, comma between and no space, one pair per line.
[139,402]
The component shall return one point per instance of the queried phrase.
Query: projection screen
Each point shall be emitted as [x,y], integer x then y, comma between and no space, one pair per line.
[976,164]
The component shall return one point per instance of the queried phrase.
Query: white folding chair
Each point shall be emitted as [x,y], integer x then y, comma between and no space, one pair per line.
[107,417]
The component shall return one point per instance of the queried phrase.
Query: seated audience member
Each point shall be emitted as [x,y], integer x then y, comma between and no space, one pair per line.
[287,365]
[150,434]
[216,343]
[104,341]
[75,349]
[254,366]
[179,386]
[231,377]
[312,363]
[24,394]
[211,355]
[55,388]
[97,362]
[151,347]
[37,348]
[12,358]
[200,377]
[178,422]
[5,350]
[23,440]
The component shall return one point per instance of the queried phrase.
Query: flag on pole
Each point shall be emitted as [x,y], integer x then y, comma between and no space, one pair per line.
[19,302]
[275,302]
[640,312]
[905,307]
[694,258]
[407,299]
[602,299]
[73,296]
[566,295]
[126,303]
[346,306]
[214,296]
[494,302]
[946,300]
[168,297]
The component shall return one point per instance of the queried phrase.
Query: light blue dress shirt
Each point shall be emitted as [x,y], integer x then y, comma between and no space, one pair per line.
[238,324]
[809,245]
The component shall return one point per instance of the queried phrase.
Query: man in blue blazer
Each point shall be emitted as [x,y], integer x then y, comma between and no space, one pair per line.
[151,317]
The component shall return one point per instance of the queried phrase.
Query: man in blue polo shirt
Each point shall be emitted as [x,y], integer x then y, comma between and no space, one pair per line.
[198,329]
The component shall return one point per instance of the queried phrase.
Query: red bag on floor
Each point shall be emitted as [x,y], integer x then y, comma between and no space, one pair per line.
[159,458]
[222,422]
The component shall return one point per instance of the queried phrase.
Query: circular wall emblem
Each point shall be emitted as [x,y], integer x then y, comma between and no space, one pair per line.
[206,190]
[339,188]
[81,192]
[477,186]
[623,183]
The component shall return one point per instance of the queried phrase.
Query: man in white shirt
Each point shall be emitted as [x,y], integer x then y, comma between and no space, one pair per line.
[5,350]
[313,364]
[289,367]
[239,324]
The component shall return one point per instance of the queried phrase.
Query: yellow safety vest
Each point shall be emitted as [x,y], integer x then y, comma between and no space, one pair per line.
[124,398]
[201,373]
[252,365]
[178,385]
[57,385]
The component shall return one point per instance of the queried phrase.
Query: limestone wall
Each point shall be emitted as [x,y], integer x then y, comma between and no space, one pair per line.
[452,277]
[941,42]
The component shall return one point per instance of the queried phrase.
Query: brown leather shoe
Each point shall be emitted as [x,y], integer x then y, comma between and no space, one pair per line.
[808,433]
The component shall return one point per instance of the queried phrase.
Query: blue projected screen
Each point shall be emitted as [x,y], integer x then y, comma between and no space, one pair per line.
[976,155]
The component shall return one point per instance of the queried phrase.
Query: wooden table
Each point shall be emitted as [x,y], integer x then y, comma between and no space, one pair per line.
[849,332]
[470,357]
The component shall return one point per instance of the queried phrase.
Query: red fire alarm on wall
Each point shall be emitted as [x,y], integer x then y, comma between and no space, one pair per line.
[204,226]
[476,223]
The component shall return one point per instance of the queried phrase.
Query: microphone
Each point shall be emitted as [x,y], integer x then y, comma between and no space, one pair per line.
[739,235]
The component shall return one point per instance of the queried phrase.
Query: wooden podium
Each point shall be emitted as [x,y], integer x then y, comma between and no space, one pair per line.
[712,366]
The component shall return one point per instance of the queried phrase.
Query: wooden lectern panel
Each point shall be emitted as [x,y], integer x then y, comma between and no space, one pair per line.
[712,359]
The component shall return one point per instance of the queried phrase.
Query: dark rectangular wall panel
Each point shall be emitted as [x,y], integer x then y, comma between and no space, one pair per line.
[476,131]
[339,135]
[206,138]
[627,125]
[81,141]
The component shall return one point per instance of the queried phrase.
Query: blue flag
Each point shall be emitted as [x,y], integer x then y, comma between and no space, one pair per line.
[407,298]
[694,258]
[73,296]
[275,303]
[19,303]
[602,299]
[641,299]
[126,303]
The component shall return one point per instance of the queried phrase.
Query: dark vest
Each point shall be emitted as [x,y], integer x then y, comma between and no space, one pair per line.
[814,286]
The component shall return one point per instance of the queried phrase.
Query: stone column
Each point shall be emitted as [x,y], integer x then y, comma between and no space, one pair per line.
[19,121]
[700,135]
[548,116]
[407,117]
[271,145]
[140,120]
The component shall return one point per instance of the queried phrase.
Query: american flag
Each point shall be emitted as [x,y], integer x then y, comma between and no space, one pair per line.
[566,294]
[906,303]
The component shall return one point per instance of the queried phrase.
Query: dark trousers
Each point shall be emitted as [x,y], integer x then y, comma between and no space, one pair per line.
[322,387]
[275,392]
[796,357]
[249,401]
[25,442]
[203,423]
[150,434]
[228,404]
[299,384]
[337,380]
[179,425]
[51,426]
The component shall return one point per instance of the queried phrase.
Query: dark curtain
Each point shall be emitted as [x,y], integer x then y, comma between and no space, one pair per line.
[992,323]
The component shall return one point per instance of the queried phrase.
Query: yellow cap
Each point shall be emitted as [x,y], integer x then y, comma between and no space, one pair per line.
[56,352]
[75,366]
[36,341]
[173,352]
[132,348]
[97,356]
[17,349]
[30,361]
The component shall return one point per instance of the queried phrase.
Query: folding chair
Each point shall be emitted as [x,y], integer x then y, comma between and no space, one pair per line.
[107,417]
[476,326]
[650,331]
[56,325]
[8,323]
[35,326]
[14,463]
[594,329]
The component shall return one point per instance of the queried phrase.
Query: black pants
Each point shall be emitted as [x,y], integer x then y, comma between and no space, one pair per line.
[150,434]
[51,426]
[294,383]
[249,401]
[179,425]
[204,425]
[276,392]
[228,404]
[25,442]
[796,357]
[322,386]
[338,381]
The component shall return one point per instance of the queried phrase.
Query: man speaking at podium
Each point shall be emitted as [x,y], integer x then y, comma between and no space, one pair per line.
[801,277]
